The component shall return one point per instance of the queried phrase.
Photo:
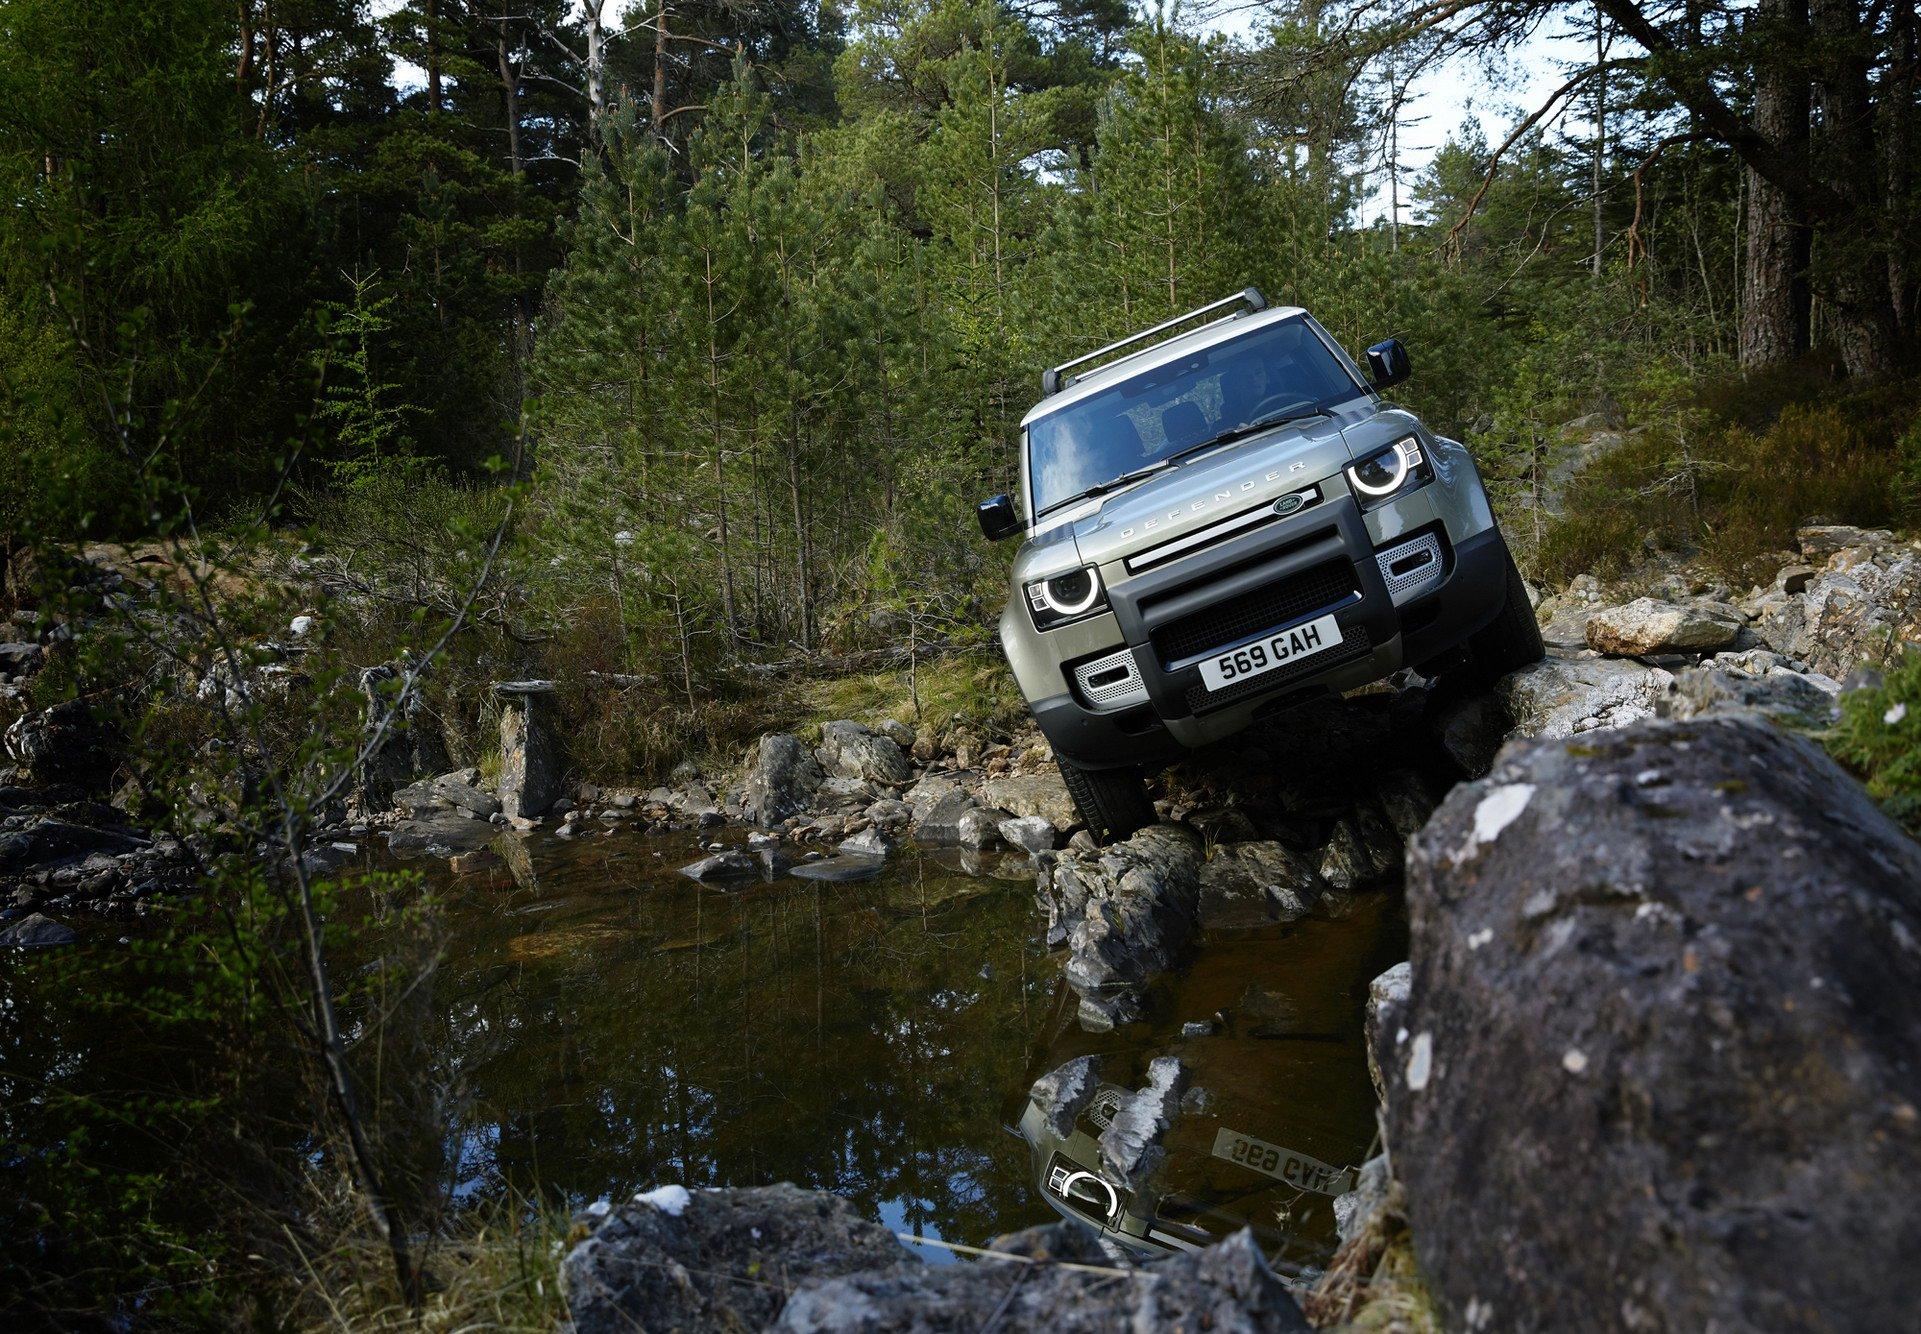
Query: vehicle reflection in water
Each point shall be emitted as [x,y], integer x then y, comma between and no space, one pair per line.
[1276,1112]
[598,1024]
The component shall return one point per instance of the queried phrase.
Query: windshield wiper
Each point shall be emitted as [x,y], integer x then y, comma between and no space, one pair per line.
[1243,431]
[1113,483]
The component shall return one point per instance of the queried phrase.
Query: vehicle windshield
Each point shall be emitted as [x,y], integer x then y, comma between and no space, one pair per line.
[1281,370]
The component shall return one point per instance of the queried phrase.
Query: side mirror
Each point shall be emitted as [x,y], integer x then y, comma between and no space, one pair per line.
[997,517]
[1390,363]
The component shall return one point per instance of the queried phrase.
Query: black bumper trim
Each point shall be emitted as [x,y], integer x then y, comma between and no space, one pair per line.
[1467,599]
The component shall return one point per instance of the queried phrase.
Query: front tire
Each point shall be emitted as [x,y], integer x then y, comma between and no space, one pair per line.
[1512,640]
[1112,802]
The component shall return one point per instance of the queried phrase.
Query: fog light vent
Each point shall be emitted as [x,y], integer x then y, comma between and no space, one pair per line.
[1111,682]
[1409,565]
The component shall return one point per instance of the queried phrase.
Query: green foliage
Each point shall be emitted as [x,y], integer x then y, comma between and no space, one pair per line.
[1879,737]
[1686,478]
[359,406]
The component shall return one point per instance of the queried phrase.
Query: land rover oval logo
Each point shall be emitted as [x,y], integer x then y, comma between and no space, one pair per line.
[1289,503]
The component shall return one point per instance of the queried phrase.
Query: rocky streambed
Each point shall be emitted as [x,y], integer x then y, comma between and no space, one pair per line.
[1659,949]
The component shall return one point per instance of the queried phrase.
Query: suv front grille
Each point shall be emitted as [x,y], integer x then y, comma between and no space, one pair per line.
[1236,619]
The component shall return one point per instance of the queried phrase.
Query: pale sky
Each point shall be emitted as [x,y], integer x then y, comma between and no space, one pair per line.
[1447,97]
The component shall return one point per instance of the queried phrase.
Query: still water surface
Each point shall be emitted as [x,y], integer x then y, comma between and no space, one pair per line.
[602,1025]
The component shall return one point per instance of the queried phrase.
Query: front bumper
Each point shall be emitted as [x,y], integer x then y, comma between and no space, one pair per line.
[1256,585]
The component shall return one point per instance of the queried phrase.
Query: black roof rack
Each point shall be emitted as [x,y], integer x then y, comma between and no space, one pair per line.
[1056,379]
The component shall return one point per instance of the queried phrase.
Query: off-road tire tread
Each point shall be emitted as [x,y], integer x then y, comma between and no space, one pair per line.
[1113,802]
[1512,640]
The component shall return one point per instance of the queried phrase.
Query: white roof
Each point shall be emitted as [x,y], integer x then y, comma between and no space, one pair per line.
[1156,354]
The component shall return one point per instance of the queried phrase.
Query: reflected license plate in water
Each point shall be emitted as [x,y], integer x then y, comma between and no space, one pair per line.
[1296,1169]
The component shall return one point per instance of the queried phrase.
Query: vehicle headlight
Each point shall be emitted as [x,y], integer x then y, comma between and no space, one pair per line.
[1402,466]
[1062,598]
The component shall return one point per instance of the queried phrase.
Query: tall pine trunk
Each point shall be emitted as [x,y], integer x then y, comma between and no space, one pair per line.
[1775,298]
[1853,245]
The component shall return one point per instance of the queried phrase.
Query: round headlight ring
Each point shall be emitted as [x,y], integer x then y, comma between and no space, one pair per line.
[1402,465]
[1074,608]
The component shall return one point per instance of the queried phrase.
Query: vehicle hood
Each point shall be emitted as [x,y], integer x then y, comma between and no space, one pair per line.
[1213,486]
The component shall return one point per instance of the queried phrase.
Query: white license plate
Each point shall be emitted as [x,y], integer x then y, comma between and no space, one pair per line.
[1277,650]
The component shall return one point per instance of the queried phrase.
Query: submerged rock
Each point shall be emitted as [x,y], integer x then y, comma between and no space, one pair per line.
[841,870]
[1657,1065]
[439,833]
[36,932]
[1257,884]
[732,864]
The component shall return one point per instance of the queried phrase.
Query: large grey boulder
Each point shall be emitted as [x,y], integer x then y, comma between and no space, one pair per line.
[1126,912]
[849,750]
[1649,625]
[1257,884]
[782,778]
[1657,1068]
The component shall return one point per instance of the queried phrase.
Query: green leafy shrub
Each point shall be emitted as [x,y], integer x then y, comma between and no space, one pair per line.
[1879,737]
